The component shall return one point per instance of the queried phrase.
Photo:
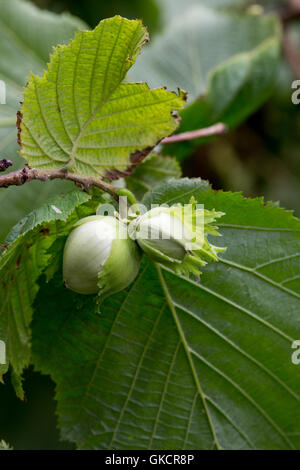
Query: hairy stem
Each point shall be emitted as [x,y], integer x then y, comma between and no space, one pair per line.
[20,177]
[289,11]
[292,55]
[219,128]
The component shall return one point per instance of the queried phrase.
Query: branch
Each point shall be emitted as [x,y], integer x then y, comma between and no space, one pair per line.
[216,129]
[290,11]
[287,14]
[292,54]
[20,177]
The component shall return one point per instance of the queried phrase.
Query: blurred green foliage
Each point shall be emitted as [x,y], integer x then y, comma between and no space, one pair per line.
[92,11]
[30,424]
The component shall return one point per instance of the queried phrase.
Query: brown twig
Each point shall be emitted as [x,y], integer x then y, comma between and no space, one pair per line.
[216,129]
[292,54]
[20,177]
[290,11]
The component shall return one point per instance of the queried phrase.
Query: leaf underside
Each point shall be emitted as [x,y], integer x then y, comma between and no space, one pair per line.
[80,116]
[172,363]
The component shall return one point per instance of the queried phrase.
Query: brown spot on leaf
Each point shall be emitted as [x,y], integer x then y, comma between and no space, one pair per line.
[45,231]
[136,158]
[19,120]
[18,262]
[139,155]
[184,95]
[115,174]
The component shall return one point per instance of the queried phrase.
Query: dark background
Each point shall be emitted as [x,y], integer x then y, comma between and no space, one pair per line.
[260,157]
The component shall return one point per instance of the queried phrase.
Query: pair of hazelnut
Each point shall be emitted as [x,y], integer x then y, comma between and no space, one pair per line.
[102,256]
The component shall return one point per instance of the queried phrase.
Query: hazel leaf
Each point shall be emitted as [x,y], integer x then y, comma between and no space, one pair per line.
[80,115]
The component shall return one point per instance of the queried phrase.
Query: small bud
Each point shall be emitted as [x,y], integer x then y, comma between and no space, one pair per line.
[177,236]
[99,256]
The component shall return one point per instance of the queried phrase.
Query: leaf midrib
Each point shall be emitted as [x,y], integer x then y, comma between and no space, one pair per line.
[189,356]
[190,352]
[239,349]
[260,276]
[101,104]
[235,305]
[145,349]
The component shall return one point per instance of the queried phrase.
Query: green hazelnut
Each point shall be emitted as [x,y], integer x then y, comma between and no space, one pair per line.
[99,257]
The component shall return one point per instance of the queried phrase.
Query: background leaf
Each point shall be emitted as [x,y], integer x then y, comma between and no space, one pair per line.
[232,72]
[174,8]
[160,356]
[27,36]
